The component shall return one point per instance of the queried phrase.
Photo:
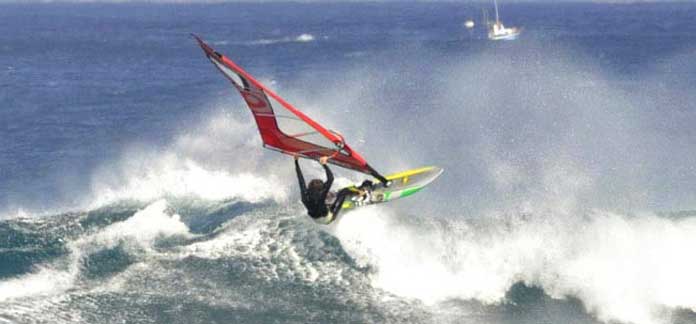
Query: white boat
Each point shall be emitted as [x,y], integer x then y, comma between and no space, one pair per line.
[498,31]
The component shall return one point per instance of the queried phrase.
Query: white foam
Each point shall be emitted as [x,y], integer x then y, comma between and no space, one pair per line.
[46,281]
[277,253]
[211,161]
[187,179]
[139,231]
[629,268]
[622,268]
[302,38]
[240,241]
[142,229]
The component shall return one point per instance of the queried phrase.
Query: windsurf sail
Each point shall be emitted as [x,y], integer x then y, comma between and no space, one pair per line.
[283,127]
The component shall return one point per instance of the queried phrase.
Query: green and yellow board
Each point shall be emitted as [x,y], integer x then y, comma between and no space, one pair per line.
[403,184]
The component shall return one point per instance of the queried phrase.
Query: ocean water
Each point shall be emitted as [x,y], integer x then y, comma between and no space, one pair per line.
[133,187]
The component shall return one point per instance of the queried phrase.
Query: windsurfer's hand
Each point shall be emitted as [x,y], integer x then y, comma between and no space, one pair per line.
[296,156]
[323,160]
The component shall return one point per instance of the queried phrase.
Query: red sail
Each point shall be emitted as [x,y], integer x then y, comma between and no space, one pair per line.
[283,127]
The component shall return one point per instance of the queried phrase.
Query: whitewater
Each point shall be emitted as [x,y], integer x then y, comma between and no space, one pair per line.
[567,197]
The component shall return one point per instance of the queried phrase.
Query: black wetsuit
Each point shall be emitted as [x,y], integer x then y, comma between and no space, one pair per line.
[315,200]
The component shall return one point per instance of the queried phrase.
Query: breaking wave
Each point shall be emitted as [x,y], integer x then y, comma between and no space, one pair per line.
[631,269]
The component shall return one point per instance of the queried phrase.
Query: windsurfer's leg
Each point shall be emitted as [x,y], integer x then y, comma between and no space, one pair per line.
[340,198]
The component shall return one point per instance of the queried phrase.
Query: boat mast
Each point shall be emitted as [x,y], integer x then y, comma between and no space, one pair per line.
[497,20]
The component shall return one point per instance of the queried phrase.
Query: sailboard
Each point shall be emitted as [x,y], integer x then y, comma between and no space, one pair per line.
[283,127]
[403,184]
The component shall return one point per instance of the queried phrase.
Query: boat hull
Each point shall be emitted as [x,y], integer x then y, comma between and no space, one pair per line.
[510,36]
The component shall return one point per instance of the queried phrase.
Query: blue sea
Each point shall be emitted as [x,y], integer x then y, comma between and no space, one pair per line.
[134,188]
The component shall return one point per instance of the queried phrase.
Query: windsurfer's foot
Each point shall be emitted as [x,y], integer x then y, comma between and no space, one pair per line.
[365,196]
[364,192]
[367,185]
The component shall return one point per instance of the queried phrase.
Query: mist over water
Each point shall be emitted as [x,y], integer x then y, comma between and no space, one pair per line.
[558,168]
[543,124]
[558,202]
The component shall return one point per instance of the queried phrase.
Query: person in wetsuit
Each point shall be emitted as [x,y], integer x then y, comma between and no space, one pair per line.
[314,195]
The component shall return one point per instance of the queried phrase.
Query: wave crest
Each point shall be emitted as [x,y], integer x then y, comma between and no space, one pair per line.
[623,268]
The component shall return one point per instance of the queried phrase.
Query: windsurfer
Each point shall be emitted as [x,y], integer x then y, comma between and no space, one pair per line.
[322,204]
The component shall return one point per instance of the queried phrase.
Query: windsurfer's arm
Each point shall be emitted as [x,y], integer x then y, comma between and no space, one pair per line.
[329,174]
[329,177]
[300,179]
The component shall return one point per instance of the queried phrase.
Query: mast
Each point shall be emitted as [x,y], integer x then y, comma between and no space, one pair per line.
[497,20]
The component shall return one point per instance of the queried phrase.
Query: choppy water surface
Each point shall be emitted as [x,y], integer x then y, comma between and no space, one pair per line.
[133,187]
